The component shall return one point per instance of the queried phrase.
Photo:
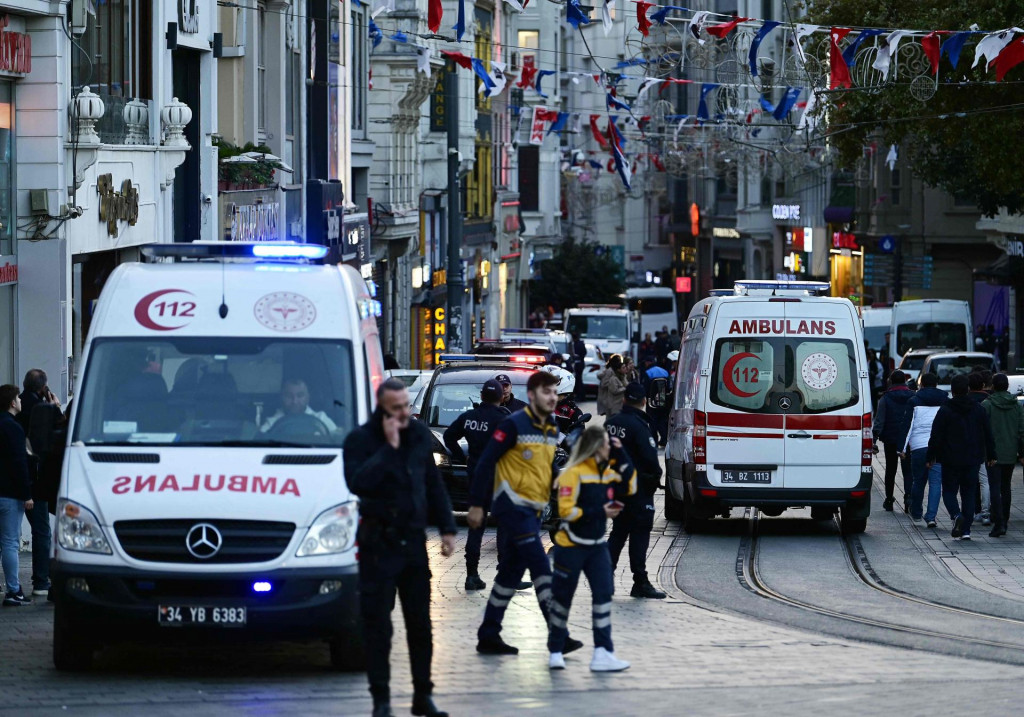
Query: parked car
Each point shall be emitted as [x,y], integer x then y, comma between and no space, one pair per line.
[414,379]
[946,365]
[914,360]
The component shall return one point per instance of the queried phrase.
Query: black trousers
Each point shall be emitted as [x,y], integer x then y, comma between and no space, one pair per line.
[892,459]
[634,523]
[474,539]
[383,571]
[999,490]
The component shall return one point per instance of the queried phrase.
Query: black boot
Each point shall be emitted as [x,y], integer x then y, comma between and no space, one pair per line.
[644,589]
[422,704]
[473,582]
[998,531]
[382,709]
[495,646]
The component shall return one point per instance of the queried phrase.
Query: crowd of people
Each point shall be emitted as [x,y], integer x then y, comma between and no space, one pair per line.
[963,448]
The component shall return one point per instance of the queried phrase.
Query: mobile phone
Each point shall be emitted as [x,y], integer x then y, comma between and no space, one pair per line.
[615,504]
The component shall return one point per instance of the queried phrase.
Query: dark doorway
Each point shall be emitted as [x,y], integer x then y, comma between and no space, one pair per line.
[187,192]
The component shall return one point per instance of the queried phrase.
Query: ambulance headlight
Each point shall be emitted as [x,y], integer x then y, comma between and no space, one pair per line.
[78,529]
[334,531]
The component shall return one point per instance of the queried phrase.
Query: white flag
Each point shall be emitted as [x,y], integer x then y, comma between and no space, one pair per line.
[887,51]
[380,6]
[423,60]
[606,16]
[992,45]
[891,158]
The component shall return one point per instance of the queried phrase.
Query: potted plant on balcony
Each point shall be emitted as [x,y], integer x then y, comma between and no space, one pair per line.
[248,167]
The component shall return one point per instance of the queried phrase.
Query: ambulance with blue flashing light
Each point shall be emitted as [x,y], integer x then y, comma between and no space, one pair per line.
[202,496]
[772,407]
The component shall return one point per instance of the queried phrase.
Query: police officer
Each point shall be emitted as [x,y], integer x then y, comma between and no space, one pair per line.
[508,400]
[476,426]
[632,426]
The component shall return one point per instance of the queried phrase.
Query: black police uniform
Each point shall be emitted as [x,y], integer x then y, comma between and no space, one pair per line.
[476,426]
[513,404]
[632,427]
[400,491]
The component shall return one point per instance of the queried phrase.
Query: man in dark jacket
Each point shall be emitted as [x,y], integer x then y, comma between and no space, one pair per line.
[632,426]
[15,492]
[508,400]
[892,421]
[389,464]
[977,393]
[579,355]
[477,426]
[39,407]
[1007,418]
[961,440]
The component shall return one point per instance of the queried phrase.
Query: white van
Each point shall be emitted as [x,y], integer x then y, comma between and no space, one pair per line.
[929,323]
[772,407]
[608,326]
[202,494]
[876,321]
[656,306]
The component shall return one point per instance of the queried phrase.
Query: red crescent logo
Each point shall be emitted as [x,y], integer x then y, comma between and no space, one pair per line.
[142,310]
[727,375]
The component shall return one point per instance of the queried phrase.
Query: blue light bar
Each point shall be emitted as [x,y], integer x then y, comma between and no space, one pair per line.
[275,250]
[453,358]
[261,586]
[810,287]
[525,331]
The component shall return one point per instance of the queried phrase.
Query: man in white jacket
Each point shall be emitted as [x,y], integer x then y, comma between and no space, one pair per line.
[926,404]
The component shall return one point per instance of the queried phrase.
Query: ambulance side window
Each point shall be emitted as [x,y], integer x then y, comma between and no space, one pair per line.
[822,373]
[689,373]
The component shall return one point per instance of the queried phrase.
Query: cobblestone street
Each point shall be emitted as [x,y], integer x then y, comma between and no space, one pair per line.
[687,657]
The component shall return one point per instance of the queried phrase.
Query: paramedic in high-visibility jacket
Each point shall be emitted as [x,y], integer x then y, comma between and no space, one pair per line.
[597,478]
[518,468]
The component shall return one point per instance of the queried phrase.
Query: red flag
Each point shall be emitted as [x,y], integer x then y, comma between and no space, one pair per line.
[641,16]
[597,133]
[840,73]
[434,13]
[546,115]
[460,59]
[529,72]
[720,31]
[657,163]
[1010,56]
[930,43]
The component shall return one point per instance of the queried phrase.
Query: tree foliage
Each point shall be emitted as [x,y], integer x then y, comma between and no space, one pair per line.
[966,138]
[580,272]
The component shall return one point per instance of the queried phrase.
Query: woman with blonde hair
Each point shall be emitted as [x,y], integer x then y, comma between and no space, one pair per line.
[590,488]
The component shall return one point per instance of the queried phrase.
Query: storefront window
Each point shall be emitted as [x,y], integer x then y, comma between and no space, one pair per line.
[7,335]
[6,168]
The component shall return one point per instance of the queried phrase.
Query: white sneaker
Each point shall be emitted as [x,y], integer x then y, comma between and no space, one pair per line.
[556,661]
[605,661]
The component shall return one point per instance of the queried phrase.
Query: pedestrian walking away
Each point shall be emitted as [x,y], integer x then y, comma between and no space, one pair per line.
[634,523]
[15,493]
[1007,418]
[961,440]
[925,403]
[892,421]
[976,391]
[40,413]
[612,387]
[477,426]
[596,481]
[517,467]
[389,464]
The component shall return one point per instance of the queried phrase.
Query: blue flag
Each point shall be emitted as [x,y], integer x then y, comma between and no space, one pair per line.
[786,104]
[481,72]
[954,45]
[460,23]
[540,76]
[616,104]
[559,124]
[702,107]
[659,17]
[768,26]
[375,33]
[574,14]
[850,53]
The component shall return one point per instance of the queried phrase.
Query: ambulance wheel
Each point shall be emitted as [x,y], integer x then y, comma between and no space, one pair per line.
[673,506]
[851,526]
[691,522]
[72,648]
[348,654]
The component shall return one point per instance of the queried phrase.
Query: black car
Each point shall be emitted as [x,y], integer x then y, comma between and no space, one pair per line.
[454,389]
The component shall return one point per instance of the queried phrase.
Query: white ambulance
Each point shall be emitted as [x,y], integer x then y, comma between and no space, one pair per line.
[202,495]
[772,407]
[608,326]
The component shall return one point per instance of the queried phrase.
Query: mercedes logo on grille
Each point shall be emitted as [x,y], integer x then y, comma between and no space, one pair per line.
[203,541]
[784,403]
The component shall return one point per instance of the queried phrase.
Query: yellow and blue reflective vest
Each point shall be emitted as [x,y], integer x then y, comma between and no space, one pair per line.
[518,462]
[583,491]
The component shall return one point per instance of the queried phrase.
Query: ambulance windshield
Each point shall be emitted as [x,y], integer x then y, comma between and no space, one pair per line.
[598,326]
[217,391]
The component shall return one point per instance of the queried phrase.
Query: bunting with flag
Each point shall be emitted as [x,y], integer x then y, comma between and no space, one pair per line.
[615,140]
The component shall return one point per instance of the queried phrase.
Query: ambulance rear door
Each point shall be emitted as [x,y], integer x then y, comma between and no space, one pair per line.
[822,382]
[745,444]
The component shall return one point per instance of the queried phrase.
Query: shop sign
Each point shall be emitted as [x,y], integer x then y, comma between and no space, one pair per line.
[439,332]
[537,125]
[794,262]
[844,240]
[356,246]
[725,233]
[1014,247]
[15,49]
[786,212]
[122,206]
[8,270]
[188,16]
[253,222]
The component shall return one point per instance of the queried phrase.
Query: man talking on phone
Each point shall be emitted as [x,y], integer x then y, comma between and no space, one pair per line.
[38,394]
[389,464]
[519,462]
